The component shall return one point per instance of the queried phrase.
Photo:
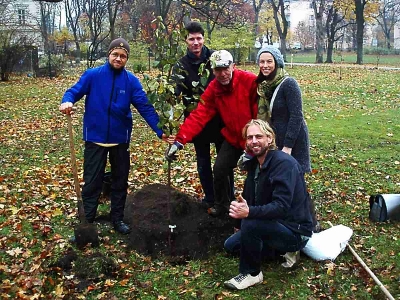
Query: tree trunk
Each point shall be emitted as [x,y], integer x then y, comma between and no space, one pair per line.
[319,58]
[329,51]
[279,14]
[319,33]
[360,4]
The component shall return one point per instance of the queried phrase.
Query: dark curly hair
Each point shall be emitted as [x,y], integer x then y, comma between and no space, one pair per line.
[194,27]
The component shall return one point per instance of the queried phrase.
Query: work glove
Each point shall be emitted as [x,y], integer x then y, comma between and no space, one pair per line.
[244,158]
[170,153]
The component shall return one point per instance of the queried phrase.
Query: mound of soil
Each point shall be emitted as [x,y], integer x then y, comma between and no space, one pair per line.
[153,210]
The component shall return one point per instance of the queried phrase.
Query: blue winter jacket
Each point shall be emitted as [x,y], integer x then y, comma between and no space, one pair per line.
[109,95]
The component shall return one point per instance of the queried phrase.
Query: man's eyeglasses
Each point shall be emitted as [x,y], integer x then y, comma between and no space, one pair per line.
[121,56]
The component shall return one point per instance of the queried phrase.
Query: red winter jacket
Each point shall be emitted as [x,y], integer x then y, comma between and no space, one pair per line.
[236,103]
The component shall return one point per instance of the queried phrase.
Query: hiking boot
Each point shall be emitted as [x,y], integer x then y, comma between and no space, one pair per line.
[243,281]
[292,259]
[121,227]
[215,211]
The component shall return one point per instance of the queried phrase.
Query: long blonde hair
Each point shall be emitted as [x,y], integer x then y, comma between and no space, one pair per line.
[265,128]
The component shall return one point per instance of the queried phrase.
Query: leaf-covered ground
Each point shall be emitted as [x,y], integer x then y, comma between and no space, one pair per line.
[355,139]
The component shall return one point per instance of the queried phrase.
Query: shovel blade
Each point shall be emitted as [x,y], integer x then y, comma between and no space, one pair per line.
[86,234]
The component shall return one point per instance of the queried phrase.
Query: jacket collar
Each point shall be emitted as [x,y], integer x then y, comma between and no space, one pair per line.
[205,54]
[108,66]
[268,159]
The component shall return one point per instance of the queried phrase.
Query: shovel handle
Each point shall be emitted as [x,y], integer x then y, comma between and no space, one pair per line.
[73,158]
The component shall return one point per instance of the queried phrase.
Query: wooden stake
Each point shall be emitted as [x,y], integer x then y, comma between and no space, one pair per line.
[377,281]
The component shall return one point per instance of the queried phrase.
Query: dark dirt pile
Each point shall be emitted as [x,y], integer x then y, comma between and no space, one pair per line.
[151,211]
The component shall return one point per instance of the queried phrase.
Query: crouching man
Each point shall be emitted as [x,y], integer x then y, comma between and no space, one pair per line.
[274,211]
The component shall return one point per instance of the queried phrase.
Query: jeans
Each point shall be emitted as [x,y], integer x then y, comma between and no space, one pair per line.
[225,162]
[257,238]
[232,247]
[95,160]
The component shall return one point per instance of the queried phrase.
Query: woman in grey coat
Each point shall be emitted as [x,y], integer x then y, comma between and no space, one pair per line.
[280,103]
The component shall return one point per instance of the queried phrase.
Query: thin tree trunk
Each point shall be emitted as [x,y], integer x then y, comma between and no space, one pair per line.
[360,4]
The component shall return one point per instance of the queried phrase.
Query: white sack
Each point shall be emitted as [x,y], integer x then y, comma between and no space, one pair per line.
[328,244]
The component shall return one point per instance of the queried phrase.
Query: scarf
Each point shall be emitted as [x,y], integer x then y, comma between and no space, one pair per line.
[265,90]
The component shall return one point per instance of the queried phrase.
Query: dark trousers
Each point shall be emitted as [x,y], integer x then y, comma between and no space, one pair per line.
[203,159]
[255,234]
[225,162]
[95,160]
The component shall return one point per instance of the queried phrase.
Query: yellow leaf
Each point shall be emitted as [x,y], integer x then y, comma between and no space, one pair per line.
[57,212]
[59,291]
[14,210]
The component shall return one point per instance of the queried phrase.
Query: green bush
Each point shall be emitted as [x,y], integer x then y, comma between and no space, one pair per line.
[381,51]
[56,62]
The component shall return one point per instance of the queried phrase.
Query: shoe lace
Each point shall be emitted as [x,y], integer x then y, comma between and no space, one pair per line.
[240,277]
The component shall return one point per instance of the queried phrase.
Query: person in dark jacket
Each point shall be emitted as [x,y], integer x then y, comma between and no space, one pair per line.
[189,85]
[110,91]
[231,95]
[274,209]
[280,103]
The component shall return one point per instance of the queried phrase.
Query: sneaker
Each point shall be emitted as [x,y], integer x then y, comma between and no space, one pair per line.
[121,227]
[292,259]
[243,281]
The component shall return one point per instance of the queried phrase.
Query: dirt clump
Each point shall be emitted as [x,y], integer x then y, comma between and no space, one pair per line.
[170,223]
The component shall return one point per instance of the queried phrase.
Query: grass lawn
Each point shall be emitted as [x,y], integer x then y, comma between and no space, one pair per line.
[355,140]
[346,58]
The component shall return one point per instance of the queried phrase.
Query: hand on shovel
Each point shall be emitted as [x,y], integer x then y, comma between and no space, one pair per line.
[67,108]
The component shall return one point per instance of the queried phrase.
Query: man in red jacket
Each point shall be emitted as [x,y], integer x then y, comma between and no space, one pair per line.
[231,95]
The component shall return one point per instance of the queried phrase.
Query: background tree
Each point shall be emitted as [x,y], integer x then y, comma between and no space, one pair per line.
[387,17]
[304,33]
[338,17]
[221,13]
[278,8]
[62,38]
[257,5]
[364,10]
[73,12]
[96,12]
[319,7]
[113,7]
[267,26]
[360,23]
[47,23]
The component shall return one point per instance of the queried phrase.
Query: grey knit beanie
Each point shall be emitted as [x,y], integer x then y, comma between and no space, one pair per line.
[275,53]
[119,43]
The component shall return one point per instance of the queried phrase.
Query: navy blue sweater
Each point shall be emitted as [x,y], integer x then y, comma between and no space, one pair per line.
[281,192]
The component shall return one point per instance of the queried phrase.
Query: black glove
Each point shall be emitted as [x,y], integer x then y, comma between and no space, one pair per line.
[170,153]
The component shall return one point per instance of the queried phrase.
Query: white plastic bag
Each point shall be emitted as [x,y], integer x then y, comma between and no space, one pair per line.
[328,244]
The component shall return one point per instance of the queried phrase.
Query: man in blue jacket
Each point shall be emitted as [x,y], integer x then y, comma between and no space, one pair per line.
[274,211]
[110,91]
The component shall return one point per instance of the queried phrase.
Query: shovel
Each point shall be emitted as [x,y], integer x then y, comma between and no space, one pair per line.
[85,232]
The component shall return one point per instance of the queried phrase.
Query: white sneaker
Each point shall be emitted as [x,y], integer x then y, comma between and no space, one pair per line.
[292,259]
[243,281]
